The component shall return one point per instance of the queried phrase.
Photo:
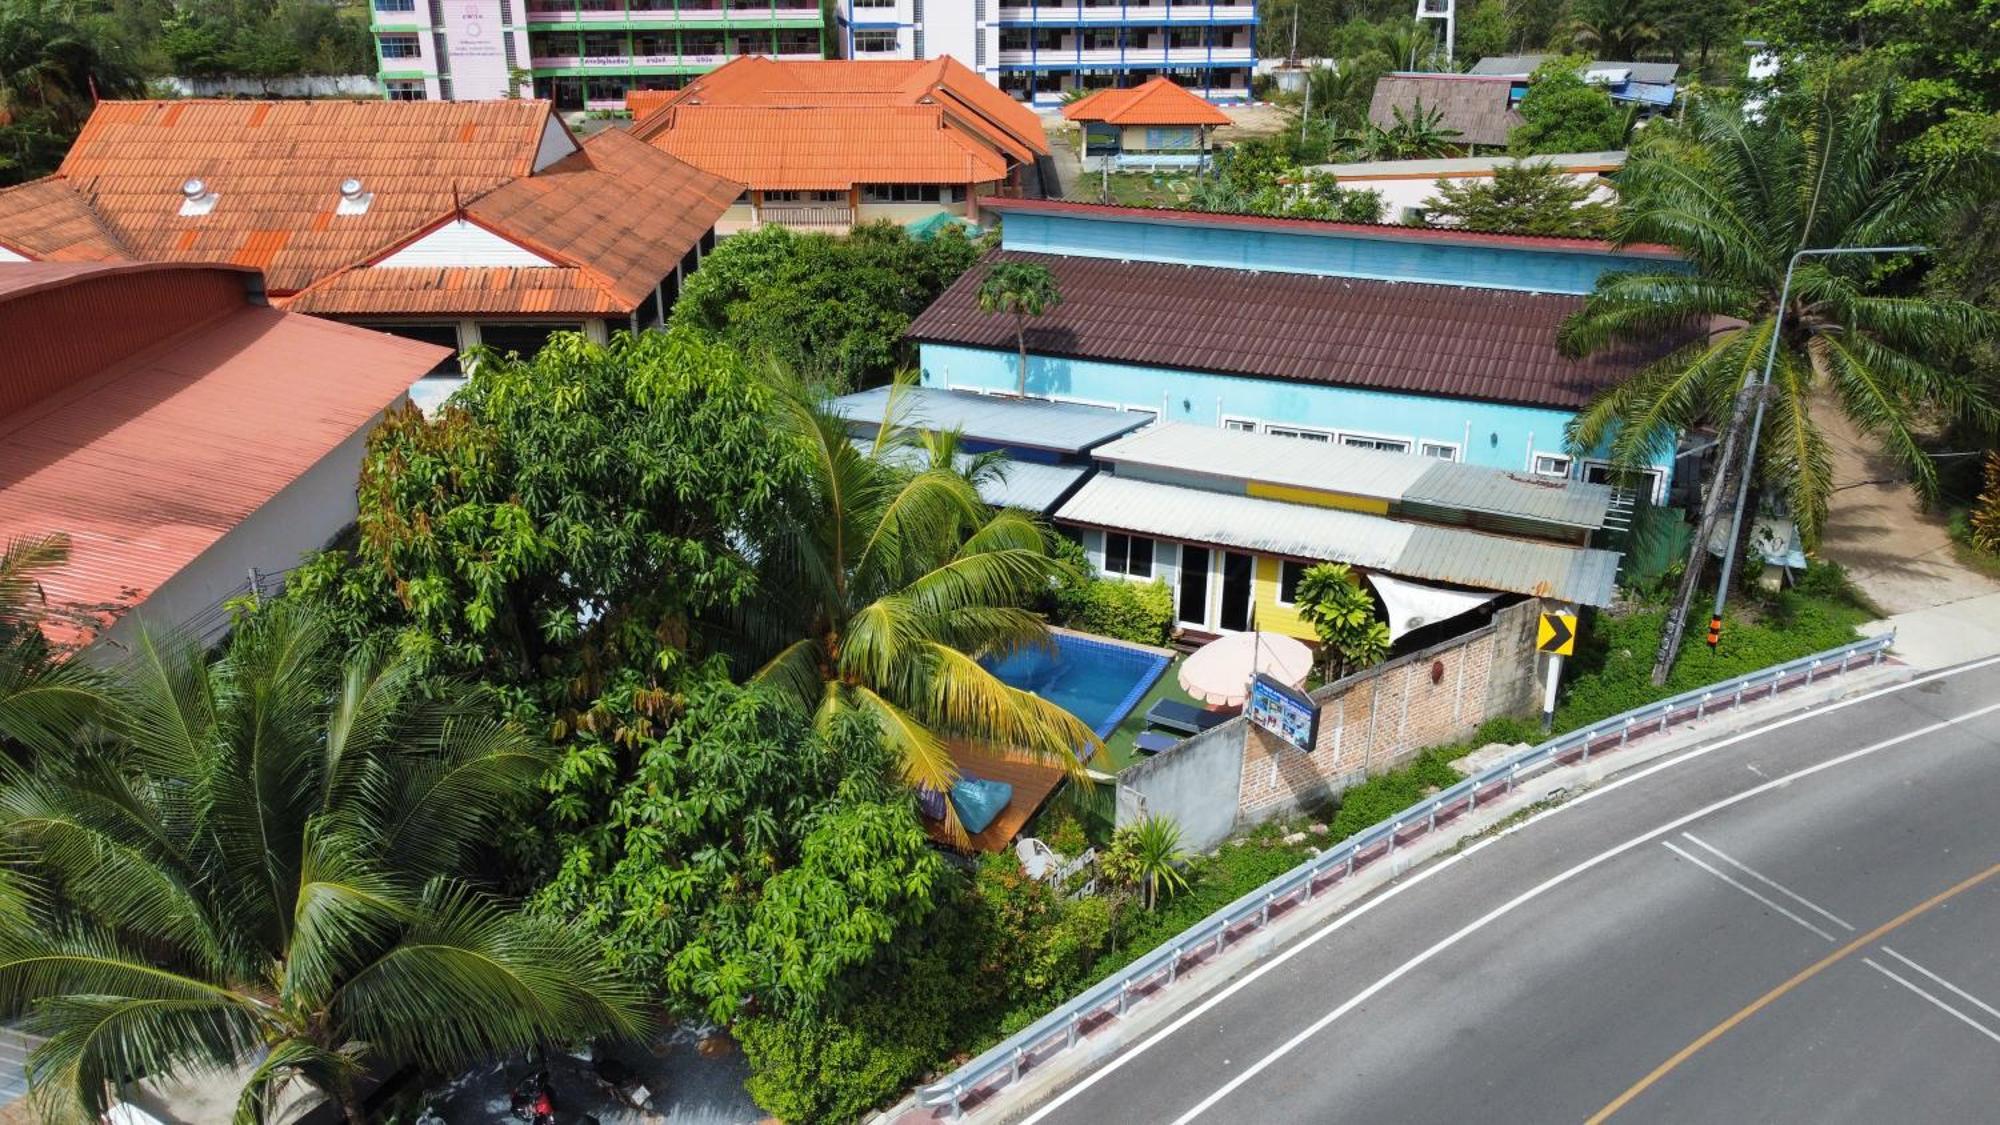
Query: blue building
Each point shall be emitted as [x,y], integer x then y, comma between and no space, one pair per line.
[1040,50]
[1427,342]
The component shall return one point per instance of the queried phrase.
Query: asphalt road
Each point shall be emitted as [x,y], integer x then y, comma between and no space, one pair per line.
[1801,924]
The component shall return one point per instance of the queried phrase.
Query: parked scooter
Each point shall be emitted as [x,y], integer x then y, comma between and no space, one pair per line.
[534,1100]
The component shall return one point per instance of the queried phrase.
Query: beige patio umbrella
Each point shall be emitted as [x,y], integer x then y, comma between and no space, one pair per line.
[1219,672]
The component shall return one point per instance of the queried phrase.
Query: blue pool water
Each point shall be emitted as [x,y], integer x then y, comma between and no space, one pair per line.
[1097,681]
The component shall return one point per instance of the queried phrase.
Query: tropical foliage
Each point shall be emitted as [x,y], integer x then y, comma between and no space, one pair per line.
[1261,176]
[1420,134]
[1020,290]
[1147,855]
[1522,197]
[52,71]
[831,309]
[263,866]
[885,582]
[1563,113]
[44,699]
[1342,613]
[1738,198]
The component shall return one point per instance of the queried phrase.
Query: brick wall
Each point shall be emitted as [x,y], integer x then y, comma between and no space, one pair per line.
[1381,718]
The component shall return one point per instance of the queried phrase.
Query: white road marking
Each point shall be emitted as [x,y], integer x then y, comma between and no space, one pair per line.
[1961,1016]
[1961,993]
[1668,844]
[1765,879]
[1448,862]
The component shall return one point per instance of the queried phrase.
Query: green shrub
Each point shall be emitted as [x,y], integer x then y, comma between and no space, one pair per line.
[1141,612]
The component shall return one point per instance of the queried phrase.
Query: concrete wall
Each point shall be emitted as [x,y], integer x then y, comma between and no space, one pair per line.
[1238,775]
[291,86]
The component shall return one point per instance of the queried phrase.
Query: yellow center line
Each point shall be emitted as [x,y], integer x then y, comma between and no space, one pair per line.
[1766,1000]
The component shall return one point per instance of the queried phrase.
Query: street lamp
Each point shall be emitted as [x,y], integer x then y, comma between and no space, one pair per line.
[1757,423]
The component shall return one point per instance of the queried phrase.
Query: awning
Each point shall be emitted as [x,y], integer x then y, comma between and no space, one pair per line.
[1413,605]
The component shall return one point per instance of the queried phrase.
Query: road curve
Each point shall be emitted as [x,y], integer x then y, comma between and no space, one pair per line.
[1797,925]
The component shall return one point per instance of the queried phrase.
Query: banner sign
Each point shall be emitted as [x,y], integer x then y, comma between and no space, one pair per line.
[1286,712]
[475,49]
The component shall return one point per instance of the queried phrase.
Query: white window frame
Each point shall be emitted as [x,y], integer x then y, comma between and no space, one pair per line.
[1535,464]
[1240,424]
[1303,433]
[1278,594]
[1152,557]
[1451,450]
[1349,437]
[1072,401]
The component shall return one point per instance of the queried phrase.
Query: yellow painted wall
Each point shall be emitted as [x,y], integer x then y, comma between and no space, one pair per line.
[1272,617]
[1318,498]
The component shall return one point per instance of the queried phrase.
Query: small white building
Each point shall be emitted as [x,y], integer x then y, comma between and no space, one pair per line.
[1405,184]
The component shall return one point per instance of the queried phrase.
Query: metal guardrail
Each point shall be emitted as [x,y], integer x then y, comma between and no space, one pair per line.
[1062,1028]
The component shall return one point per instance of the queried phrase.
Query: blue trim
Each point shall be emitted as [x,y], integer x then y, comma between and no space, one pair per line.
[1117,68]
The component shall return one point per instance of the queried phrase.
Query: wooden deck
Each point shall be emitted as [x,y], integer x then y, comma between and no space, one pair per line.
[1032,782]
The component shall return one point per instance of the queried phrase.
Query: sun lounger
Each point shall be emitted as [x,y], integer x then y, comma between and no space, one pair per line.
[1175,715]
[1152,742]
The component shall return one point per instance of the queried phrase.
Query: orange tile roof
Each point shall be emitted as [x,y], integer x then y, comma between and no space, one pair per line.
[150,450]
[828,148]
[830,124]
[616,214]
[1156,102]
[619,213]
[46,219]
[276,168]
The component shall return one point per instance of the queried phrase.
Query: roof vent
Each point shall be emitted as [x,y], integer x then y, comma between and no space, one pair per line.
[196,199]
[353,200]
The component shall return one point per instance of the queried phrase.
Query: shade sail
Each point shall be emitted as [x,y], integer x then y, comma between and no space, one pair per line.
[1413,605]
[1220,671]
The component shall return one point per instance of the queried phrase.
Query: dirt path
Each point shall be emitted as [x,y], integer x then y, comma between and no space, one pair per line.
[1899,555]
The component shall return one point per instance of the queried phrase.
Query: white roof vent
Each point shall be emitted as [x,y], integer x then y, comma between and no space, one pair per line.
[196,199]
[353,200]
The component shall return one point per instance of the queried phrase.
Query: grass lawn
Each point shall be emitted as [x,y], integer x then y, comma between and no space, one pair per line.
[1134,189]
[1118,749]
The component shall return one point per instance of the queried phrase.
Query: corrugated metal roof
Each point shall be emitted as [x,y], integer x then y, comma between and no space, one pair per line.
[1059,427]
[1496,345]
[1476,106]
[1394,477]
[152,451]
[1522,65]
[1028,485]
[1468,165]
[1439,554]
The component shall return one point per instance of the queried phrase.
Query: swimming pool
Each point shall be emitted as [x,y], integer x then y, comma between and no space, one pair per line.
[1097,681]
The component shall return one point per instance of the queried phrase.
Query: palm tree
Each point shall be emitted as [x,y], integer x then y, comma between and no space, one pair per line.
[1023,289]
[51,74]
[887,588]
[1738,199]
[44,700]
[1614,32]
[262,869]
[1417,135]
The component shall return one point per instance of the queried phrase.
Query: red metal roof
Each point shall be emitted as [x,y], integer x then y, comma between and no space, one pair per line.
[1159,101]
[1391,231]
[1488,344]
[147,458]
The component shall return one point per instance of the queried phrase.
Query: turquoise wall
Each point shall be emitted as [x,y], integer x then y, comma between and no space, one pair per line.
[1391,257]
[1490,434]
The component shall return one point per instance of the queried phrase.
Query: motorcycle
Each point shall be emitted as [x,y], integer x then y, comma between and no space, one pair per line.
[534,1100]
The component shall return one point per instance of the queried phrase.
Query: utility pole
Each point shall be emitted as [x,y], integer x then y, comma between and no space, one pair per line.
[1711,510]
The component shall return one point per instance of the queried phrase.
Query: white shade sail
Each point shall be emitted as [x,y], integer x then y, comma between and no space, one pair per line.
[1220,671]
[1413,605]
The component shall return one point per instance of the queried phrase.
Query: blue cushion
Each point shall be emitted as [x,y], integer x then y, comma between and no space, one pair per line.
[978,801]
[930,802]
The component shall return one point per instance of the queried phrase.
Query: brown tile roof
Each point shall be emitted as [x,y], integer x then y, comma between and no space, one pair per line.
[1475,105]
[276,168]
[1157,102]
[48,221]
[620,212]
[830,124]
[156,444]
[1446,341]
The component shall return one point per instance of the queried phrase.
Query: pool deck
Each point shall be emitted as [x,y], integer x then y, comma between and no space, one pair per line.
[1033,781]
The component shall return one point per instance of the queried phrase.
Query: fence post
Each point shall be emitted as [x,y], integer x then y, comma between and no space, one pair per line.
[1174,963]
[1264,916]
[1074,1019]
[1394,827]
[1124,993]
[956,1111]
[1014,1072]
[1430,824]
[1809,672]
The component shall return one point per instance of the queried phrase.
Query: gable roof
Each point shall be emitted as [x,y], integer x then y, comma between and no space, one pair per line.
[1158,101]
[154,440]
[830,124]
[1475,105]
[619,212]
[1409,337]
[615,214]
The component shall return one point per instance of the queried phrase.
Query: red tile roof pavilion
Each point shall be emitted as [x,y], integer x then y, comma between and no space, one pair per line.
[149,410]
